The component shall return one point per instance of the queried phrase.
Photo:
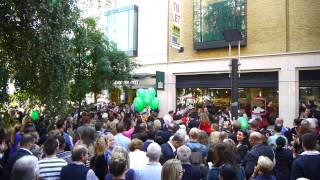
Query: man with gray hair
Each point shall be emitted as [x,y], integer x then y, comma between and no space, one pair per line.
[152,170]
[190,172]
[25,168]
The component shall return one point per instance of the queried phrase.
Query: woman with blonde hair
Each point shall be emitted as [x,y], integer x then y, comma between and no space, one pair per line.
[172,170]
[98,163]
[205,123]
[263,169]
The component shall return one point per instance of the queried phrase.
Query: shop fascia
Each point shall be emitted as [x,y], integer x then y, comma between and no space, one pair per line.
[126,83]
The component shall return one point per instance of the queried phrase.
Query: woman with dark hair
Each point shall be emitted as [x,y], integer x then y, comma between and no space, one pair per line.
[242,146]
[284,159]
[220,154]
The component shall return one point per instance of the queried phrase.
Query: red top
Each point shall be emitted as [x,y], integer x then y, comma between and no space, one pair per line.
[206,126]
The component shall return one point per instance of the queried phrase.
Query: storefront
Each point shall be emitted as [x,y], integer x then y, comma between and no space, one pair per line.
[125,91]
[309,89]
[214,90]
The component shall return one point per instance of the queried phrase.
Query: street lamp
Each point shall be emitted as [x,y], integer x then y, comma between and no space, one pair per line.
[233,35]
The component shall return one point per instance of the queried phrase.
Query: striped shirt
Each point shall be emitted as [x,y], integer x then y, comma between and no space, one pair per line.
[50,168]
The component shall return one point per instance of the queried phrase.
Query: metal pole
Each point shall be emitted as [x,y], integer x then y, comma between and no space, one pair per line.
[229,49]
[239,57]
[234,88]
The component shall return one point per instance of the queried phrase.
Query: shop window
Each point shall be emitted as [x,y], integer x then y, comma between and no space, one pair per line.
[219,98]
[122,28]
[211,17]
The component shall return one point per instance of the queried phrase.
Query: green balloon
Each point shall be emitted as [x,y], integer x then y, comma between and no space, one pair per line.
[152,92]
[141,93]
[35,115]
[155,103]
[138,103]
[244,123]
[147,99]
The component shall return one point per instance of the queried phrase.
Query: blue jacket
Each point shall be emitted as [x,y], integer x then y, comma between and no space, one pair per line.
[307,166]
[74,171]
[213,173]
[167,153]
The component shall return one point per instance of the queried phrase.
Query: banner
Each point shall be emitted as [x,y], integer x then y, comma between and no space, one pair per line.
[176,23]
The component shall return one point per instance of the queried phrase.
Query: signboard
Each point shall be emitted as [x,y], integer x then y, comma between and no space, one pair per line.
[176,24]
[159,80]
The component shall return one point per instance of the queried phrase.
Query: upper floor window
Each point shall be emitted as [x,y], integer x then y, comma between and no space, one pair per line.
[122,28]
[211,17]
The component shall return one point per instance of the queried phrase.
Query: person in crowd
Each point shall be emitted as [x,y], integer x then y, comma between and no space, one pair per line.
[217,136]
[4,154]
[61,126]
[231,143]
[150,139]
[119,165]
[190,172]
[254,125]
[66,155]
[227,172]
[77,169]
[138,157]
[86,134]
[109,144]
[203,138]
[262,170]
[169,149]
[168,119]
[50,166]
[277,133]
[219,154]
[280,121]
[152,170]
[242,146]
[129,126]
[140,133]
[99,162]
[25,168]
[26,144]
[284,159]
[235,127]
[195,146]
[205,123]
[256,141]
[193,120]
[307,165]
[15,137]
[172,170]
[120,139]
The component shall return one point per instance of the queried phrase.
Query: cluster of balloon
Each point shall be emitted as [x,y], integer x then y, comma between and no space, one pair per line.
[146,97]
[34,115]
[244,123]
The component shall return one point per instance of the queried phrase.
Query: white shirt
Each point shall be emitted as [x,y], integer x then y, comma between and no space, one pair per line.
[138,159]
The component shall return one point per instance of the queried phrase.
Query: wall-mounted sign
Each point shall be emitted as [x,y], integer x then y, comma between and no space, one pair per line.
[159,80]
[176,24]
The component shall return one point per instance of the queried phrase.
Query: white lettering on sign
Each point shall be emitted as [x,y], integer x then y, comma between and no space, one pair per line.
[176,23]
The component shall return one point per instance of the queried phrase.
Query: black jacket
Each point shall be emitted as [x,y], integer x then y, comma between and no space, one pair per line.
[284,159]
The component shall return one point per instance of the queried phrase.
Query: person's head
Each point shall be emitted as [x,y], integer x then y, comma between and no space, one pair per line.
[309,141]
[157,124]
[87,135]
[277,128]
[281,142]
[25,168]
[98,125]
[203,137]
[27,141]
[221,153]
[80,153]
[171,113]
[61,125]
[194,134]
[154,152]
[265,164]
[119,162]
[151,135]
[204,117]
[109,141]
[62,143]
[214,137]
[227,172]
[119,128]
[136,144]
[231,143]
[172,170]
[50,147]
[100,146]
[184,153]
[279,120]
[242,136]
[256,138]
[235,126]
[177,140]
[254,125]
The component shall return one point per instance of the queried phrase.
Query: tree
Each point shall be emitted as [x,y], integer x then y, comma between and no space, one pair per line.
[35,42]
[99,62]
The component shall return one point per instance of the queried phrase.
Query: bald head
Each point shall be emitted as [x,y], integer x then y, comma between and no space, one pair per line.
[256,138]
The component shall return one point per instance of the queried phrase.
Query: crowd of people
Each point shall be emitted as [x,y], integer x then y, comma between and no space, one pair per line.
[113,143]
